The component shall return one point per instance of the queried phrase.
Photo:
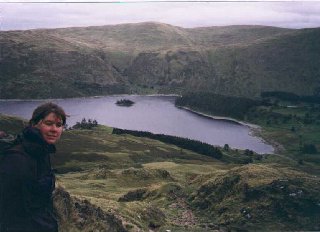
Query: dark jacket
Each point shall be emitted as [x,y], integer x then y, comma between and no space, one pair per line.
[26,185]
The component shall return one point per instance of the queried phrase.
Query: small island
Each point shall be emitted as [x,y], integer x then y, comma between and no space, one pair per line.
[124,102]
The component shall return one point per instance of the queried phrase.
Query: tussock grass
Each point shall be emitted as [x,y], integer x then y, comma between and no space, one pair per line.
[180,190]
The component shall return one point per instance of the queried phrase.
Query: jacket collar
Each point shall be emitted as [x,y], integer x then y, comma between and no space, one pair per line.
[34,144]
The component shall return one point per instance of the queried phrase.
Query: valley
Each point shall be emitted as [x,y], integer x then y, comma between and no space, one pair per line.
[120,182]
[111,179]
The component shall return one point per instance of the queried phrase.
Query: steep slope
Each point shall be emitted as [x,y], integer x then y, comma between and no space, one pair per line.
[287,62]
[74,214]
[130,38]
[153,36]
[260,197]
[158,58]
[35,64]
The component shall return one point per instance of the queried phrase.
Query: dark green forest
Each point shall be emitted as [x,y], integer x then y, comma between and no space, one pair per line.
[235,107]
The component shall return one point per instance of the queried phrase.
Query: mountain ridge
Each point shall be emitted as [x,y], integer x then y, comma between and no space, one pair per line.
[158,58]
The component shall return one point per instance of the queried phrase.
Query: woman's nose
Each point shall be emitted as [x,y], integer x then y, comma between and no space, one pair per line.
[54,127]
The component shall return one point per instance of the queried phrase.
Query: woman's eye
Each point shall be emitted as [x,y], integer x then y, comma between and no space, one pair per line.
[58,124]
[48,123]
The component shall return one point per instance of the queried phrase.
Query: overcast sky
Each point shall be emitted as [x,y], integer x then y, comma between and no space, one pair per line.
[290,14]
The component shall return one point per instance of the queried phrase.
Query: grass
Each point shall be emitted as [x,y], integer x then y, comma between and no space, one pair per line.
[137,164]
[113,166]
[183,190]
[292,134]
[245,196]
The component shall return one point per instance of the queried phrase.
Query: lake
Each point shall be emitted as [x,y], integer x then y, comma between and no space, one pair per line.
[156,114]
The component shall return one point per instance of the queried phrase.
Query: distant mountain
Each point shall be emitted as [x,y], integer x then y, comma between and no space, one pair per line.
[158,58]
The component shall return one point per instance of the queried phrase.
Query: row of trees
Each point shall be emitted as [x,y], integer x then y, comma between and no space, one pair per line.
[85,124]
[193,145]
[286,96]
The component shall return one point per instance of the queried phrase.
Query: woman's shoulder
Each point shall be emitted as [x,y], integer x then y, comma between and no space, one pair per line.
[15,160]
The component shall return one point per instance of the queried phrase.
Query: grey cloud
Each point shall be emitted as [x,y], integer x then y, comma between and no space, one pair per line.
[283,14]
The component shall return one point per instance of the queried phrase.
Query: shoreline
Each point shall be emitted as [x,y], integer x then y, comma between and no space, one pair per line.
[98,96]
[278,148]
[232,120]
[255,130]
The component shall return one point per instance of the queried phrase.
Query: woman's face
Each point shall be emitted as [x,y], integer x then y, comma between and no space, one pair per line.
[51,128]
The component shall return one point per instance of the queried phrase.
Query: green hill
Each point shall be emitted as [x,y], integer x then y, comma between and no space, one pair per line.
[113,182]
[158,58]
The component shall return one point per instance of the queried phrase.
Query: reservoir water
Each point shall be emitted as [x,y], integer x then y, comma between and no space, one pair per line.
[156,114]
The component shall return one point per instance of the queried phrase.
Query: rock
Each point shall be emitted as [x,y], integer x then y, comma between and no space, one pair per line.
[154,216]
[80,215]
[147,174]
[135,195]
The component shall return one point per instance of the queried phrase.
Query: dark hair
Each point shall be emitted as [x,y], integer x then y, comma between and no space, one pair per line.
[44,110]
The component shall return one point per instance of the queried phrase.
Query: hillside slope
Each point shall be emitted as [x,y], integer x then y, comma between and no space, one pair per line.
[158,58]
[35,64]
[126,183]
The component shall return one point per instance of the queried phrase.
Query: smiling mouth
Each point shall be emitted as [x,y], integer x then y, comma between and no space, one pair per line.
[52,137]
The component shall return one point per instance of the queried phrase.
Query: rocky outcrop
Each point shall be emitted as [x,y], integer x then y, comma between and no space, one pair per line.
[80,215]
[134,195]
[154,217]
[146,173]
[241,198]
[170,70]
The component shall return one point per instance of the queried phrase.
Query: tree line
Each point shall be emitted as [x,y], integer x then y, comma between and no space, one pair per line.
[287,96]
[216,104]
[193,145]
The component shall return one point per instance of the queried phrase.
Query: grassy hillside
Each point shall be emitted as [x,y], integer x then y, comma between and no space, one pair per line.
[233,35]
[158,58]
[36,64]
[292,126]
[126,183]
[269,65]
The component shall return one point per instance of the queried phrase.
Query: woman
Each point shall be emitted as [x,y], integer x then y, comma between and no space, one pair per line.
[27,181]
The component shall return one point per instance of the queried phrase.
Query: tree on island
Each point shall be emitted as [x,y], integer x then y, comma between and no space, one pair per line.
[84,124]
[124,102]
